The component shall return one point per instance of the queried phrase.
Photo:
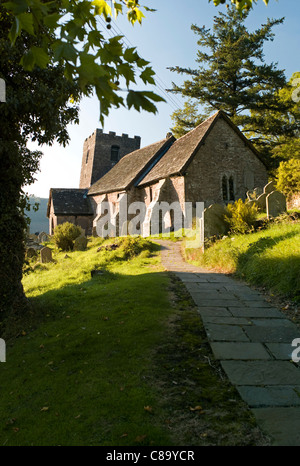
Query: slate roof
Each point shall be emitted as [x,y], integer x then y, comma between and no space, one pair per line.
[69,202]
[131,167]
[180,155]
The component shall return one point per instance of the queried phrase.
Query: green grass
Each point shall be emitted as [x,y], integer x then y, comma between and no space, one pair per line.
[78,378]
[117,359]
[270,257]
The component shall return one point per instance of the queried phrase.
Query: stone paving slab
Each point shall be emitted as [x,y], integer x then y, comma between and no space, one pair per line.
[271,334]
[261,372]
[282,424]
[239,351]
[247,297]
[255,312]
[273,395]
[214,311]
[215,302]
[257,303]
[274,323]
[205,287]
[225,332]
[226,320]
[281,350]
[211,294]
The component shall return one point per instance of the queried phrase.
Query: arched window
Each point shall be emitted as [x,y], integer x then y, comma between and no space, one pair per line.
[114,154]
[231,188]
[228,188]
[224,188]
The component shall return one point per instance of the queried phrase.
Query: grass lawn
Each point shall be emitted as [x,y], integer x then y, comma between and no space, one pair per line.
[120,358]
[269,258]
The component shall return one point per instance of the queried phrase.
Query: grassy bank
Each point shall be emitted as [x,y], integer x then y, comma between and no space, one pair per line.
[270,257]
[120,358]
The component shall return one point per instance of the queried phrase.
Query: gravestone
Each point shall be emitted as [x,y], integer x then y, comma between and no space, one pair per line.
[258,192]
[276,204]
[42,237]
[253,194]
[31,252]
[80,243]
[250,195]
[46,255]
[261,202]
[270,187]
[214,222]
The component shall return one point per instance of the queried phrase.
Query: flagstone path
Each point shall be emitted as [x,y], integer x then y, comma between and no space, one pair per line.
[251,339]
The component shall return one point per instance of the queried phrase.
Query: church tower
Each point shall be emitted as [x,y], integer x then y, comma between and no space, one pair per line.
[101,152]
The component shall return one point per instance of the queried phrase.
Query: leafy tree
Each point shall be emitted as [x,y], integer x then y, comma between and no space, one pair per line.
[69,34]
[52,53]
[233,76]
[282,129]
[186,118]
[288,177]
[37,107]
[240,4]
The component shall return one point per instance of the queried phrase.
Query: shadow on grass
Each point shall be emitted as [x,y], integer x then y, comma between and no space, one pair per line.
[280,274]
[136,369]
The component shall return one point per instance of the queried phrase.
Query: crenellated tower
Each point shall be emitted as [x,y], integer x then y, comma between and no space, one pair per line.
[101,152]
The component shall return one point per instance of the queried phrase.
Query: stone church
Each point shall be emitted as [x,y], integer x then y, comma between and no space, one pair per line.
[213,163]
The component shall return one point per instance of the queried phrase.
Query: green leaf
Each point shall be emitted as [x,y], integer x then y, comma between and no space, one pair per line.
[65,51]
[125,70]
[52,20]
[27,61]
[130,55]
[17,6]
[142,101]
[153,96]
[41,58]
[26,22]
[15,30]
[147,74]
[118,8]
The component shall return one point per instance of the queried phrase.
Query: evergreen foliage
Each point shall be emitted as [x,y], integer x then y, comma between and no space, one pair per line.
[233,76]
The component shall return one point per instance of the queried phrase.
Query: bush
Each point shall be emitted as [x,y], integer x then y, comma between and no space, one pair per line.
[65,235]
[241,216]
[288,177]
[131,246]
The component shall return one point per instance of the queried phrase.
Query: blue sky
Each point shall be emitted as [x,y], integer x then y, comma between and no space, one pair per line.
[165,39]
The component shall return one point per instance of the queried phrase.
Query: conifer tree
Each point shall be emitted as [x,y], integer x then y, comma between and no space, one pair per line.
[232,75]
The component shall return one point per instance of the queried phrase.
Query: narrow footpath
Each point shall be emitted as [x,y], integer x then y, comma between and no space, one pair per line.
[253,342]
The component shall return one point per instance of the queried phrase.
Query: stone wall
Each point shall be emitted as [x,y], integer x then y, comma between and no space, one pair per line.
[293,201]
[224,153]
[96,158]
[84,221]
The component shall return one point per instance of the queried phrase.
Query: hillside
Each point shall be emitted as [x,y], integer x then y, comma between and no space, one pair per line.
[39,221]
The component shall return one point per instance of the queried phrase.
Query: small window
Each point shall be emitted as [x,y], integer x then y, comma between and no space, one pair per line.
[228,188]
[224,188]
[231,188]
[114,154]
[87,156]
